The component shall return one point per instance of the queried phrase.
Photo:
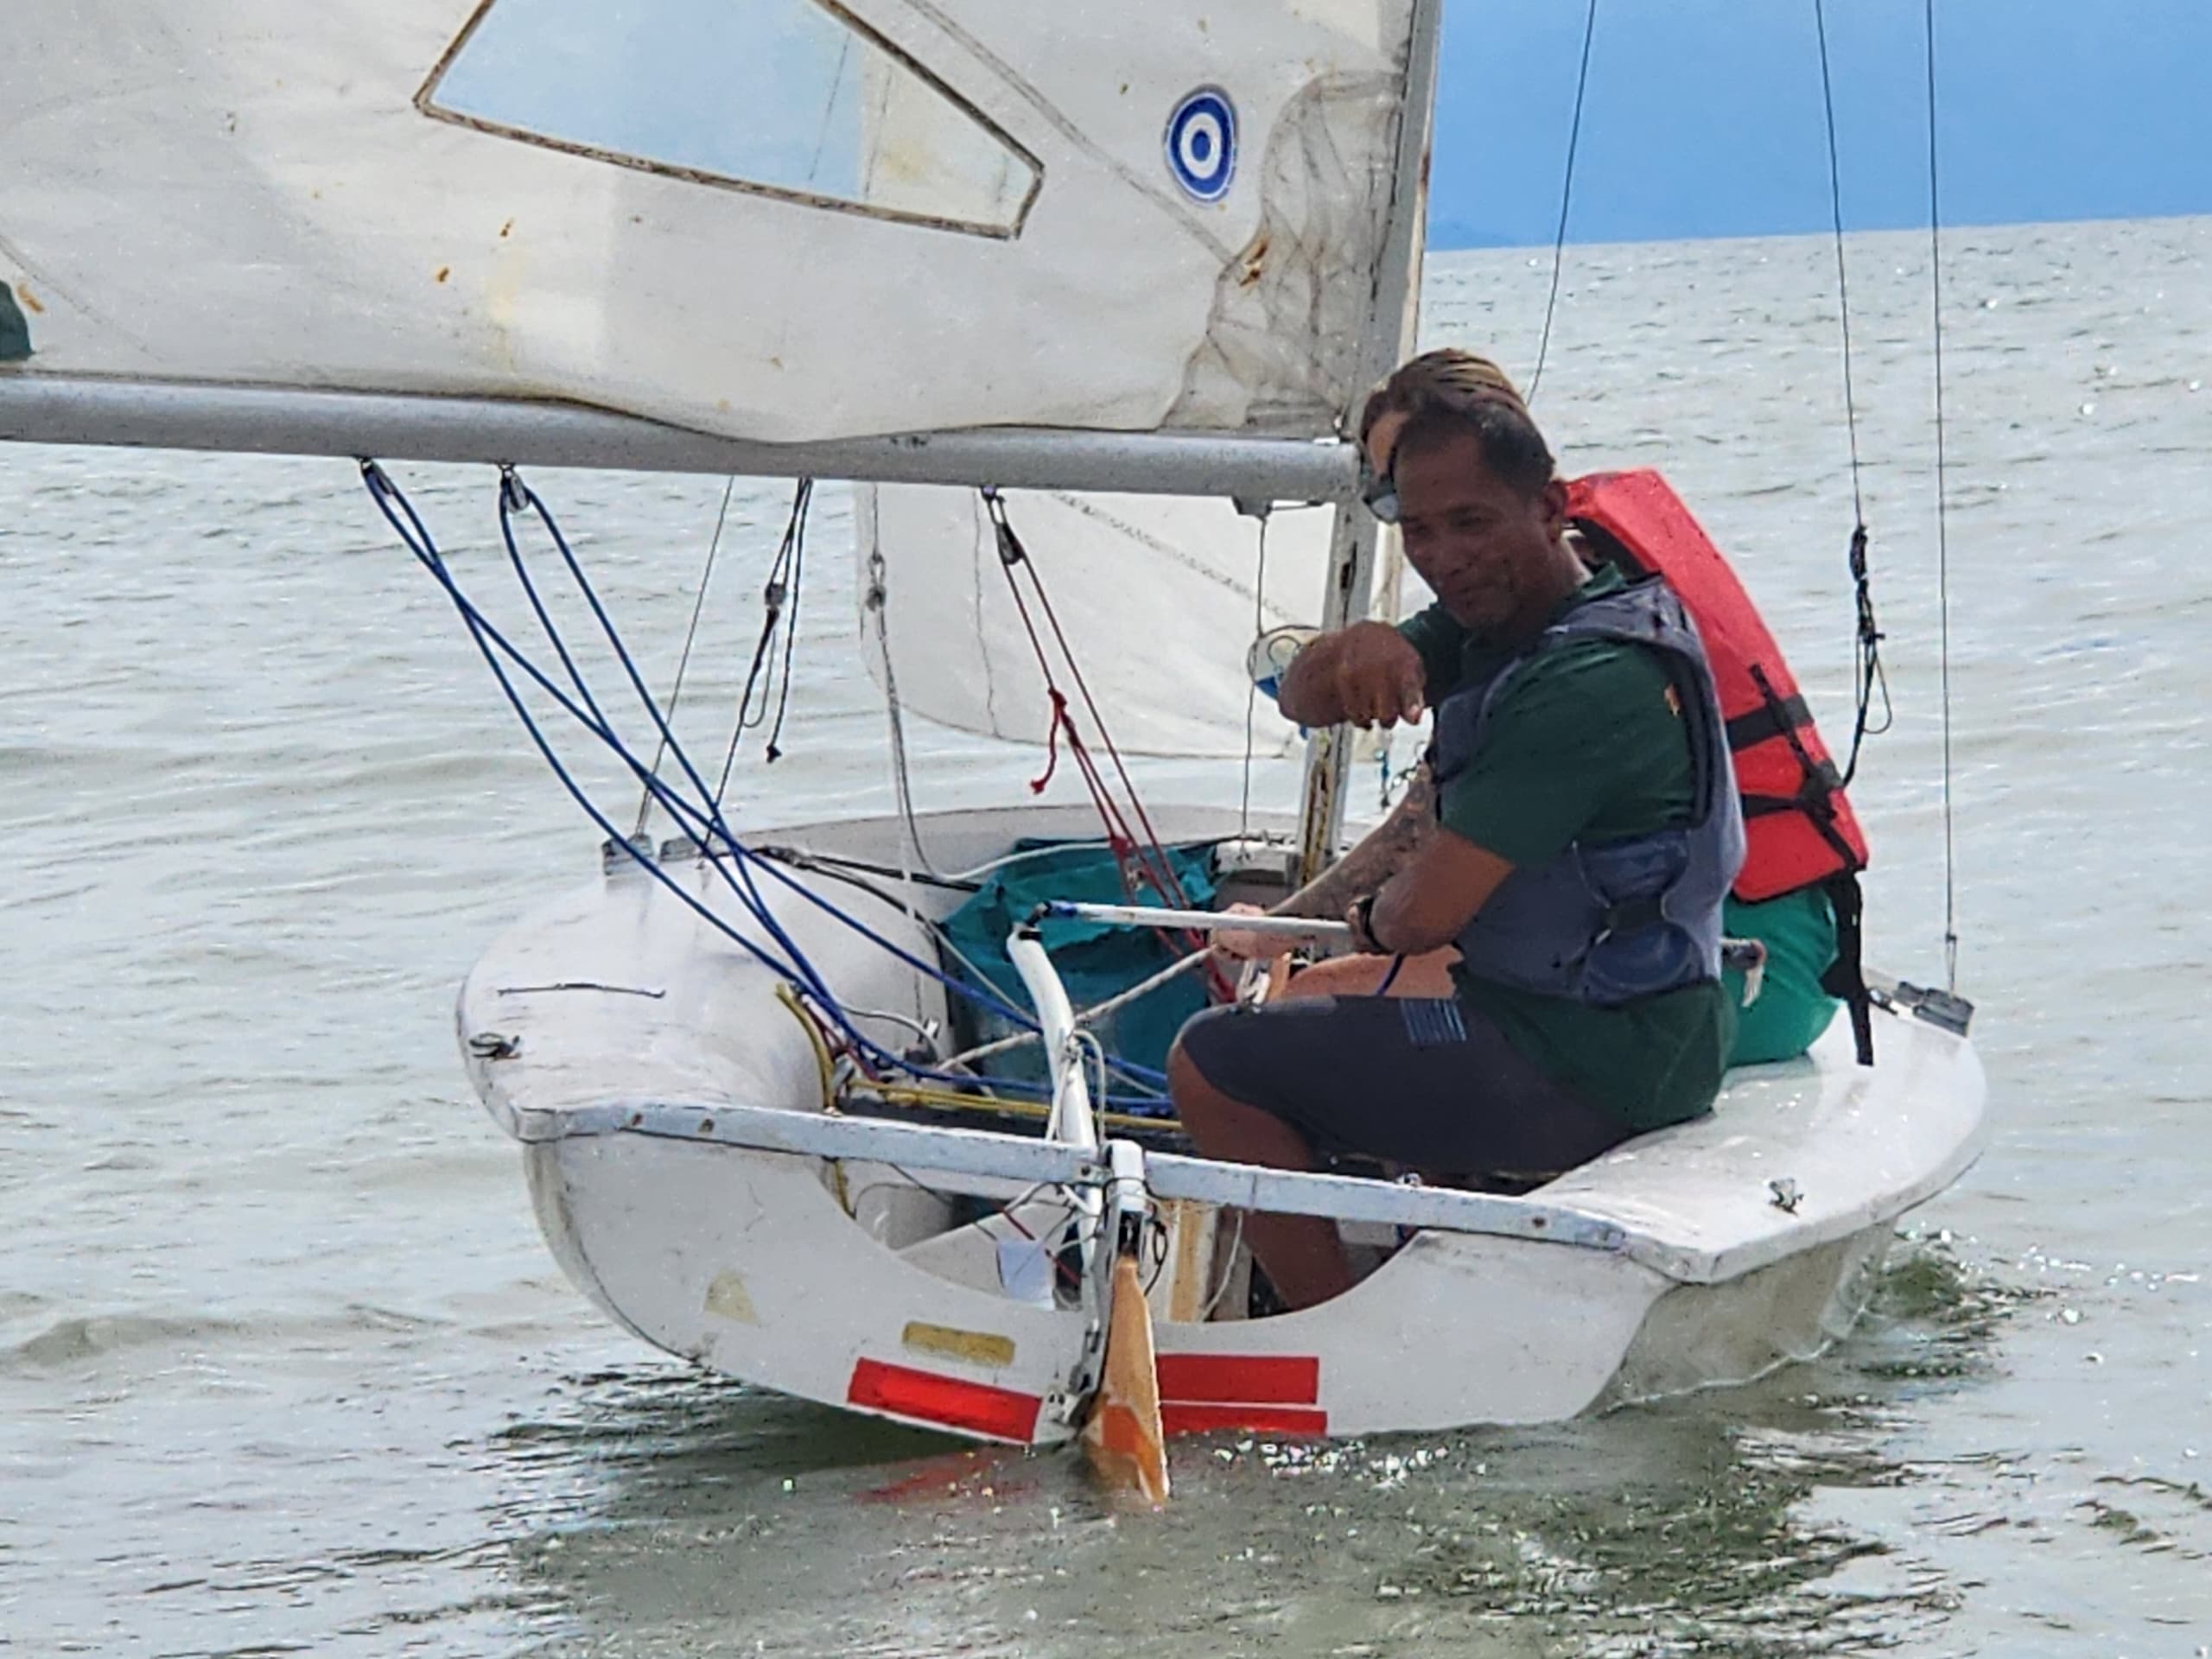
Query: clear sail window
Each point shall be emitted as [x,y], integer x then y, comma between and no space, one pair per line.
[785,97]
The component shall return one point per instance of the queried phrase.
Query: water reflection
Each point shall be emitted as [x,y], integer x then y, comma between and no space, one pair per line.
[718,1520]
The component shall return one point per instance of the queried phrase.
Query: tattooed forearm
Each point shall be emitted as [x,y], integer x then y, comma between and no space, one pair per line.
[1374,861]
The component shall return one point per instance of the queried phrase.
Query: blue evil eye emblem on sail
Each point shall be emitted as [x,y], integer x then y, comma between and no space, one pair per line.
[1201,144]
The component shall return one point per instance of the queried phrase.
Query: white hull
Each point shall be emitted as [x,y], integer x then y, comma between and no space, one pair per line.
[645,1048]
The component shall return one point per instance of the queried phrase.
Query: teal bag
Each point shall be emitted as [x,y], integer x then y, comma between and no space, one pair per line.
[1094,960]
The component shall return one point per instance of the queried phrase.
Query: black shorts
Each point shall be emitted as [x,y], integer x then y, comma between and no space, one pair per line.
[1425,1082]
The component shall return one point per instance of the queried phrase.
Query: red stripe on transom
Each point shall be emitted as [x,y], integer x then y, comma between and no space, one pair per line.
[1257,1379]
[951,1401]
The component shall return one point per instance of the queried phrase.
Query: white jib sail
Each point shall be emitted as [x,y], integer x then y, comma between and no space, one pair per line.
[785,220]
[1160,598]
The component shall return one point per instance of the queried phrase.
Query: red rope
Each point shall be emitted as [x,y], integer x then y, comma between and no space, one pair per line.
[1153,864]
[1118,838]
[1052,743]
[1144,852]
[1045,602]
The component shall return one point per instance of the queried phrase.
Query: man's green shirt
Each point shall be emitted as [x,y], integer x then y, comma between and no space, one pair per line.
[1798,929]
[1585,742]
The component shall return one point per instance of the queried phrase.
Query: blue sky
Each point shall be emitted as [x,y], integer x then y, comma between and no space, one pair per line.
[1704,117]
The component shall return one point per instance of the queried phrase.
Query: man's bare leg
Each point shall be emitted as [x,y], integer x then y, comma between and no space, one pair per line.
[1424,975]
[1304,1256]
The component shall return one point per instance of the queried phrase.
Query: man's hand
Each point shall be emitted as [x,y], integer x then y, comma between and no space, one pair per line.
[1379,677]
[1359,918]
[1368,674]
[1233,945]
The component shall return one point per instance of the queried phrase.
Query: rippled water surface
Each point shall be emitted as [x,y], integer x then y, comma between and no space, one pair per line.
[283,1365]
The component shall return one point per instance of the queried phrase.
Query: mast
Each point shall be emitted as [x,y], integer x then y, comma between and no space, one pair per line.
[1393,312]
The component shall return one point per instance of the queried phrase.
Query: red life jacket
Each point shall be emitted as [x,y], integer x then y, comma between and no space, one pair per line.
[1799,830]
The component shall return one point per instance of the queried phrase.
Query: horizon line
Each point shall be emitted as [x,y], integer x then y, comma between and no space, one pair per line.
[1825,232]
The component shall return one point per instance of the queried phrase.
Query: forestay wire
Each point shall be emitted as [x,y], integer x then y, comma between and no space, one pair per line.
[696,811]
[1942,516]
[1566,199]
[875,603]
[683,661]
[1868,677]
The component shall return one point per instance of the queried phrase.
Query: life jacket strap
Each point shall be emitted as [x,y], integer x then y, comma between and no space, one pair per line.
[1815,796]
[1846,974]
[1773,718]
[1811,798]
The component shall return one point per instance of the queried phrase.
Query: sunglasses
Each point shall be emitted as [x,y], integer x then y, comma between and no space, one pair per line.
[1379,492]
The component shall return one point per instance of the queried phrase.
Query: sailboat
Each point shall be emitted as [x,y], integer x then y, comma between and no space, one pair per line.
[931,247]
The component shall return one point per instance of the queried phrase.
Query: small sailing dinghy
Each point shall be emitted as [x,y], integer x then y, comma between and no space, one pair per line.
[503,231]
[688,1177]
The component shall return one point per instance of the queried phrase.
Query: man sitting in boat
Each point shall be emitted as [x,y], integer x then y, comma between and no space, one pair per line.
[1804,844]
[1587,831]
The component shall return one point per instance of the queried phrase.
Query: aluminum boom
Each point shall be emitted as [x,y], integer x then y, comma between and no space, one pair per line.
[61,408]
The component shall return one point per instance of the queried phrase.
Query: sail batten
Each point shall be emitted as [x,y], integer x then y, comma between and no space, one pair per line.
[923,214]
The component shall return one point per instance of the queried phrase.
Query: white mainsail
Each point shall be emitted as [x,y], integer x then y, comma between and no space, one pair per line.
[1162,594]
[783,221]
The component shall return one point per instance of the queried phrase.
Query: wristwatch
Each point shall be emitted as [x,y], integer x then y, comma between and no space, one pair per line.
[1362,924]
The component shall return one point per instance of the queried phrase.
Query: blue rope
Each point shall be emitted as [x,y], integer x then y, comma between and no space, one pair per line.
[487,637]
[513,491]
[737,872]
[417,539]
[743,861]
[508,480]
